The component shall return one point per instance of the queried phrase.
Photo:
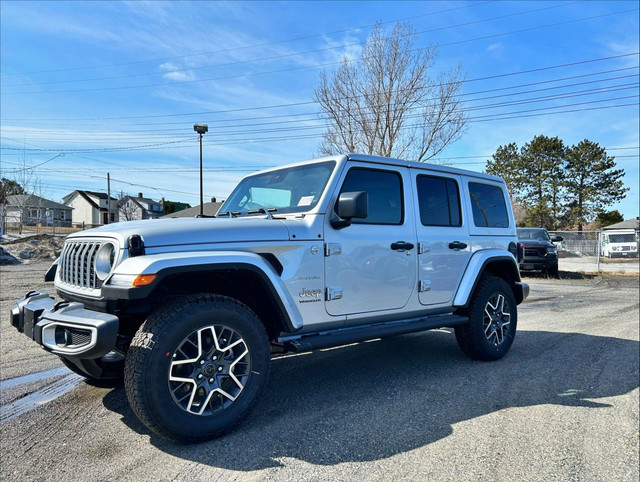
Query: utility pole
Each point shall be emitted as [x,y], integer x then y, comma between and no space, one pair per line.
[108,199]
[201,129]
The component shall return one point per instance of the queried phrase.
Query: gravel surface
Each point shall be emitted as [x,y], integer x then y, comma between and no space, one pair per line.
[562,405]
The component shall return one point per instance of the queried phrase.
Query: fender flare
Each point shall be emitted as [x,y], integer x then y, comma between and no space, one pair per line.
[476,266]
[168,264]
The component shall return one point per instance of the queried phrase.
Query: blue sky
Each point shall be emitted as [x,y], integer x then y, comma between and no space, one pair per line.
[94,87]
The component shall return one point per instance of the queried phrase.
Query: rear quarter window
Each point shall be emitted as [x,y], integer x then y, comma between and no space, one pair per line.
[488,205]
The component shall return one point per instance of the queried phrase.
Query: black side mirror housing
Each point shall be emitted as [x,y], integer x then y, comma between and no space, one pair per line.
[350,205]
[557,239]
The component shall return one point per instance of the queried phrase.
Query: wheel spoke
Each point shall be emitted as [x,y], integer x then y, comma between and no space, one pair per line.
[496,319]
[213,379]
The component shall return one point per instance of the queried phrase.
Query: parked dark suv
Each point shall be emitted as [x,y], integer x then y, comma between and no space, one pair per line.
[539,251]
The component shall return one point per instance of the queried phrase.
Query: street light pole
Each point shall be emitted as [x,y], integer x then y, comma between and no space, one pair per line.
[201,129]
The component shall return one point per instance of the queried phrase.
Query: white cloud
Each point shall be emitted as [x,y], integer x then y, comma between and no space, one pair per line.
[180,76]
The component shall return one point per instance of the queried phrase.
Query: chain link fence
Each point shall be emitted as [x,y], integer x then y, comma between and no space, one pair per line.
[581,243]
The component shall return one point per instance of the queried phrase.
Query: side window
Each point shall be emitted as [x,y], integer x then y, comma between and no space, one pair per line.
[439,201]
[384,189]
[489,207]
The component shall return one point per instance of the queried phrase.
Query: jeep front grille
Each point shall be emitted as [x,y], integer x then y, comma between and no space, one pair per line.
[77,264]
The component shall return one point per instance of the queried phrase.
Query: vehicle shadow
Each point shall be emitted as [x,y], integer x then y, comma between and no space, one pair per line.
[373,400]
[561,275]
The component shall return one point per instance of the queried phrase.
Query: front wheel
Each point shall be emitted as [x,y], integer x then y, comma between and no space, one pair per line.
[196,367]
[492,321]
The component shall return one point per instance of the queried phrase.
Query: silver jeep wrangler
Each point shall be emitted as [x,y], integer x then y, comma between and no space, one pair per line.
[312,255]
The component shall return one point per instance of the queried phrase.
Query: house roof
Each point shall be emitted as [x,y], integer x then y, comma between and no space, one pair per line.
[137,199]
[33,201]
[628,224]
[85,195]
[208,209]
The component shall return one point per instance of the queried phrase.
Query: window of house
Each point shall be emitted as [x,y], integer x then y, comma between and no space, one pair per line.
[439,201]
[384,190]
[489,206]
[62,215]
[34,213]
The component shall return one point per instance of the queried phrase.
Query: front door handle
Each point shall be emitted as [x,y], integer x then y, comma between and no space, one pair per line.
[401,246]
[457,245]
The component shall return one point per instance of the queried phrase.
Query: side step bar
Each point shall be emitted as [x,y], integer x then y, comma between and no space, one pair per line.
[361,333]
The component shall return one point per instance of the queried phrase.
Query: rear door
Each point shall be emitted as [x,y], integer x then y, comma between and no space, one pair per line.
[443,236]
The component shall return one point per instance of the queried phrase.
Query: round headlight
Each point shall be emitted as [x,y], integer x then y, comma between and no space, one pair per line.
[104,260]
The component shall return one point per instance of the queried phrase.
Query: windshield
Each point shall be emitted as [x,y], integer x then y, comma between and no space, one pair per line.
[291,190]
[537,234]
[622,238]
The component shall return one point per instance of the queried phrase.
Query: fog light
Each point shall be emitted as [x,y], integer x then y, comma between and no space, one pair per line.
[60,335]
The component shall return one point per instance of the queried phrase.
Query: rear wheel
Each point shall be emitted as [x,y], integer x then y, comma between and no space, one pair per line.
[196,367]
[492,321]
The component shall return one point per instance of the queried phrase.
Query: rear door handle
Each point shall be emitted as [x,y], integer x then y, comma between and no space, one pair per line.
[457,245]
[401,246]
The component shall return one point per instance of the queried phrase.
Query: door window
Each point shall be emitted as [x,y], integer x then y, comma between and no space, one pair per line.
[439,201]
[384,190]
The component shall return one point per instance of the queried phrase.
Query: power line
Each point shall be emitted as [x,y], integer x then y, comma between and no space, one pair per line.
[102,137]
[264,44]
[304,67]
[315,115]
[298,104]
[277,57]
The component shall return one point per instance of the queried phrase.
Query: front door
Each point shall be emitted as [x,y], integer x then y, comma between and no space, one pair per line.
[367,266]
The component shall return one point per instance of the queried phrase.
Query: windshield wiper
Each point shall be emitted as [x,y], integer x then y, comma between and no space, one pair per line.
[263,211]
[231,214]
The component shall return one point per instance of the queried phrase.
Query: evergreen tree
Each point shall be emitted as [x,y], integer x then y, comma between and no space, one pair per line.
[591,181]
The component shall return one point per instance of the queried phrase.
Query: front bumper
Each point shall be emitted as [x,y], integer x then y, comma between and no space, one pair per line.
[66,329]
[539,263]
[522,291]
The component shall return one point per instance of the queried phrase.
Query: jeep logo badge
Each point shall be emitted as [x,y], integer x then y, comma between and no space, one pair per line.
[305,293]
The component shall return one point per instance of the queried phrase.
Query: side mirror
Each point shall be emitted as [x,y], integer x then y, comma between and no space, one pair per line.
[350,205]
[557,239]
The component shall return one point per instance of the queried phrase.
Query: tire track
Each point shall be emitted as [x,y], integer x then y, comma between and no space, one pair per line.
[39,397]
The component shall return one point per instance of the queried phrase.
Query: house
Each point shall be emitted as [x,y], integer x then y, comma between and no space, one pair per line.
[32,210]
[208,209]
[91,208]
[133,208]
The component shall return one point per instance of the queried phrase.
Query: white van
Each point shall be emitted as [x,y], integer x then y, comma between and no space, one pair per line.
[617,243]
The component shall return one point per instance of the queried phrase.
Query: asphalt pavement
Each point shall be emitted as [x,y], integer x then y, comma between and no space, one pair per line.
[562,405]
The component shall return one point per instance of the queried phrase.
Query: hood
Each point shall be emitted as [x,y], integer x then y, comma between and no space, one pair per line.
[186,231]
[535,243]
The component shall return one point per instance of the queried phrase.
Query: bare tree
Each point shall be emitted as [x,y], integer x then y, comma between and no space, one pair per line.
[128,209]
[388,103]
[28,193]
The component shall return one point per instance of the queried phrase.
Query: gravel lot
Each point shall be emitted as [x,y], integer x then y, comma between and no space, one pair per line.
[562,405]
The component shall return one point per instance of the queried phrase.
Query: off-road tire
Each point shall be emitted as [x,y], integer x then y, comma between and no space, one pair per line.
[150,365]
[553,272]
[479,338]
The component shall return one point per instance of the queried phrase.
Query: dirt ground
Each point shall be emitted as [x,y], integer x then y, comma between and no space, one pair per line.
[39,247]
